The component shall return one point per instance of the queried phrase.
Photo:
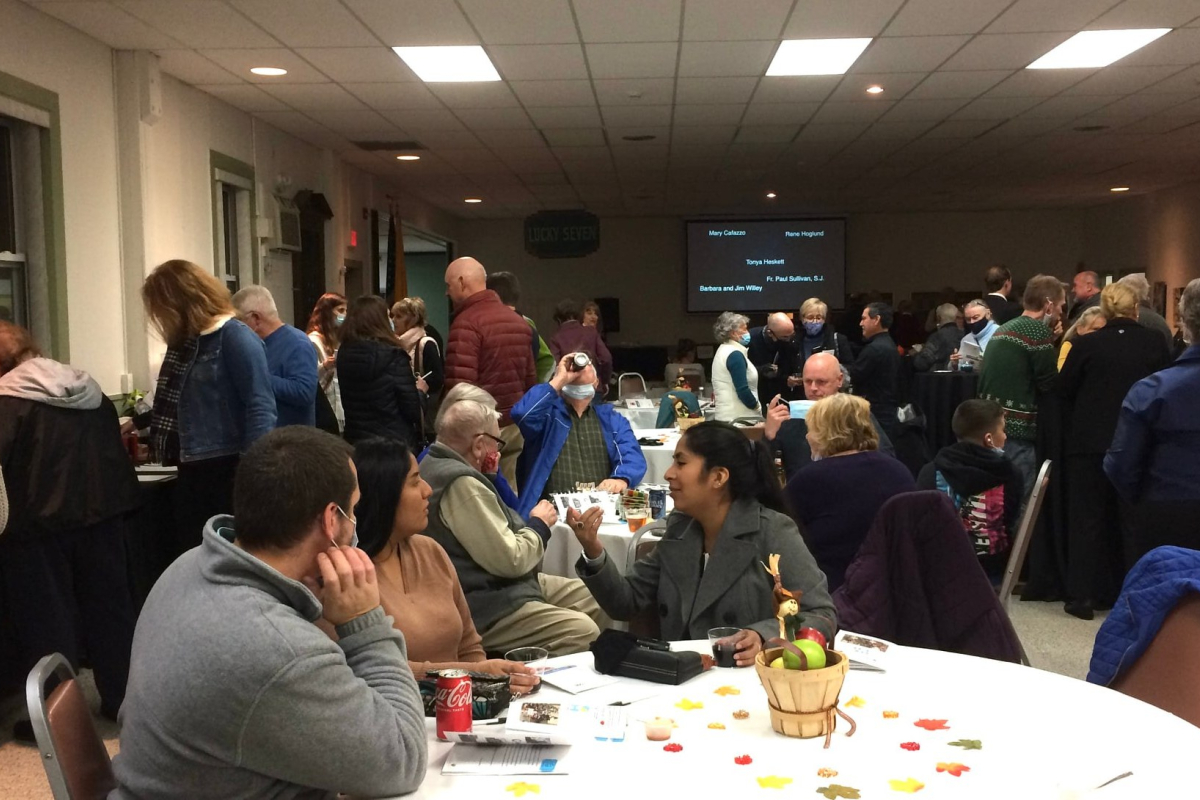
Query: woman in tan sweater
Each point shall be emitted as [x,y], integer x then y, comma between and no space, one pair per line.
[418,586]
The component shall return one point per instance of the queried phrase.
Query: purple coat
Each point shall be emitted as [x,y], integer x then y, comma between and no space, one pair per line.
[572,337]
[916,582]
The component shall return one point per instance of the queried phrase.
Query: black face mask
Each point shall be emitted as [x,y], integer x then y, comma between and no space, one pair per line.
[977,326]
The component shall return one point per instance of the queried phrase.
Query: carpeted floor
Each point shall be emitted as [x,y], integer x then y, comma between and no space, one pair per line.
[1054,642]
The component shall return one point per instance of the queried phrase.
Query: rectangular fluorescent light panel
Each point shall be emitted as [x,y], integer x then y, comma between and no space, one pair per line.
[449,64]
[1092,49]
[816,56]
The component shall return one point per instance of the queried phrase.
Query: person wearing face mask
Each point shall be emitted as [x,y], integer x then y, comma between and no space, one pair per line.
[1019,367]
[980,326]
[571,440]
[324,331]
[495,552]
[982,482]
[273,706]
[734,376]
[818,336]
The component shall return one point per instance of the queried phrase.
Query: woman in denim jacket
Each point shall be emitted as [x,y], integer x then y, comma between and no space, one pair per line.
[214,395]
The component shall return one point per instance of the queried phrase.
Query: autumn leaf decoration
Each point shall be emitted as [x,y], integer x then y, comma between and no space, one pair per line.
[968,744]
[688,705]
[932,724]
[910,785]
[520,788]
[834,790]
[773,782]
[954,768]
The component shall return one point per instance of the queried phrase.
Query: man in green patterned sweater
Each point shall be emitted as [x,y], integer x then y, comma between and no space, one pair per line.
[1020,365]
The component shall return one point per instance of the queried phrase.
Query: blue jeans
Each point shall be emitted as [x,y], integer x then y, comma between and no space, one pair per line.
[1023,455]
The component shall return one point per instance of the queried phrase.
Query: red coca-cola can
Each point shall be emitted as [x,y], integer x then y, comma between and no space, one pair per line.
[452,702]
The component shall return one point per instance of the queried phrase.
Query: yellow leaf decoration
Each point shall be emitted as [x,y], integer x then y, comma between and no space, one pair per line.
[520,788]
[856,702]
[773,782]
[717,726]
[688,705]
[725,691]
[911,785]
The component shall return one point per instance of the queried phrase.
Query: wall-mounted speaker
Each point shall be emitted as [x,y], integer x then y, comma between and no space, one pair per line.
[149,79]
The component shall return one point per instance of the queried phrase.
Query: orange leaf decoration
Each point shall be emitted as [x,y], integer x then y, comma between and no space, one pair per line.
[727,690]
[954,768]
[911,785]
[932,724]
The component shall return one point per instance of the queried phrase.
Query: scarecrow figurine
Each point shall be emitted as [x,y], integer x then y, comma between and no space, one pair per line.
[787,603]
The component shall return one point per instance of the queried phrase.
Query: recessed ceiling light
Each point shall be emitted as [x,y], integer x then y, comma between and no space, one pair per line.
[874,90]
[408,158]
[816,56]
[269,71]
[473,200]
[770,195]
[1119,189]
[449,64]
[1097,48]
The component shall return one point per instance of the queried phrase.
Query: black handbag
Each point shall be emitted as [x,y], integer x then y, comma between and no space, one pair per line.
[623,654]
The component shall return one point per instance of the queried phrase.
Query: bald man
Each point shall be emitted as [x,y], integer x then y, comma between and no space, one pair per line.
[772,352]
[1085,288]
[490,346]
[787,437]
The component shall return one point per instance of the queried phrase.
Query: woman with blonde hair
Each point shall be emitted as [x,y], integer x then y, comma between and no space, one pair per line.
[1091,320]
[213,398]
[819,336]
[1097,374]
[411,319]
[835,498]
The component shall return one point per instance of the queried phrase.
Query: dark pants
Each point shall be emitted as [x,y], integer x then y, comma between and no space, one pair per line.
[68,589]
[1099,539]
[204,489]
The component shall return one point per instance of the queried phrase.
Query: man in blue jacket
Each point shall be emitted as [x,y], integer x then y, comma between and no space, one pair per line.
[570,440]
[290,357]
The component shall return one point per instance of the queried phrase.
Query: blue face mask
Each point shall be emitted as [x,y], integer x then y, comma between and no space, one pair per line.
[744,339]
[814,328]
[579,391]
[339,319]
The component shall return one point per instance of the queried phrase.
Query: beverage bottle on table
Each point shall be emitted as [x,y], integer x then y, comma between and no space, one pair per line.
[452,702]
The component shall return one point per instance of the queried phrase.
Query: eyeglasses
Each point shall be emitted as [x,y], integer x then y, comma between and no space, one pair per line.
[499,442]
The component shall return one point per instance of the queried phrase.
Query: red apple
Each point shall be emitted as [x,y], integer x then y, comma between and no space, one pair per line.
[812,634]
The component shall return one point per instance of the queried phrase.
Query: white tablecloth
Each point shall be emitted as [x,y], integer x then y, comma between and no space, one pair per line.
[658,458]
[1042,737]
[564,549]
[639,417]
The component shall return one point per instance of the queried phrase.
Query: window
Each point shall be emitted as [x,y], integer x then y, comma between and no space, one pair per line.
[12,255]
[235,254]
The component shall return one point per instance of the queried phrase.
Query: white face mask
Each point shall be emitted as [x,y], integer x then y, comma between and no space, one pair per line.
[579,391]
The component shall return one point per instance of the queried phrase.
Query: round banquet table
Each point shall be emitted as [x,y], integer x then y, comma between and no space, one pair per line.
[658,457]
[937,395]
[638,417]
[563,549]
[1039,736]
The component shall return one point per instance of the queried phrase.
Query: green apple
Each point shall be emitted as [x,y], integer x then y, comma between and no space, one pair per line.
[813,652]
[778,663]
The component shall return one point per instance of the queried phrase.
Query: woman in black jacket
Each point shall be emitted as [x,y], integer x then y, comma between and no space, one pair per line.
[1096,376]
[379,392]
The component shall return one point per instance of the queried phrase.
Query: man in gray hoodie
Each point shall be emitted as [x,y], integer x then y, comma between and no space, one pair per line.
[233,691]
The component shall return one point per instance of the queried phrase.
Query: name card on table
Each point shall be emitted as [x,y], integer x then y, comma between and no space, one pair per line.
[582,501]
[865,652]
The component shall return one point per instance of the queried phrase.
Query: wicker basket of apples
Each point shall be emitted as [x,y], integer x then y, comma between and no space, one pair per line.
[803,679]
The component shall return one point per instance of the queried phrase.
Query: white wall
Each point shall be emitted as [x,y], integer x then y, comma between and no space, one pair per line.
[642,262]
[43,51]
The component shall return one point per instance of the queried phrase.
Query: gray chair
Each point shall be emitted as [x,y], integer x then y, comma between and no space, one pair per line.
[1020,545]
[76,763]
[645,623]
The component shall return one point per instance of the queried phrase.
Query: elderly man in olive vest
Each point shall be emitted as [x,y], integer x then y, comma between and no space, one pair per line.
[495,552]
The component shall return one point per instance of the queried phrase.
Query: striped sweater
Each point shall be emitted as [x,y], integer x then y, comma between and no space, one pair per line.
[1019,365]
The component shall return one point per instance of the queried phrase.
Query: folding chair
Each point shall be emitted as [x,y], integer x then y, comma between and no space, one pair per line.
[77,765]
[645,623]
[1020,545]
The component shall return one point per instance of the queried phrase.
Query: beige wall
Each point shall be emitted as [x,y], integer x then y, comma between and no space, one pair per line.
[1157,233]
[641,261]
[43,51]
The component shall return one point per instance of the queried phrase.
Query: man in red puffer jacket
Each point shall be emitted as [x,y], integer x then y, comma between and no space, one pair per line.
[490,346]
